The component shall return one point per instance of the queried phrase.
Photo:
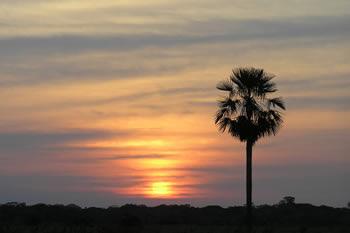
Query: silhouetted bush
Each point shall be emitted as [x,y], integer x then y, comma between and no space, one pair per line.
[288,200]
[18,217]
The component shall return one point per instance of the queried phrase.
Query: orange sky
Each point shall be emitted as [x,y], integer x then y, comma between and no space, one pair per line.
[113,102]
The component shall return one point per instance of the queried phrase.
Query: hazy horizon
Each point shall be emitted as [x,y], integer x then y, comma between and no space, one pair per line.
[112,102]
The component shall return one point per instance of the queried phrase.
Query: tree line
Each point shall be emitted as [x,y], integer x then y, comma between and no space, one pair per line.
[285,213]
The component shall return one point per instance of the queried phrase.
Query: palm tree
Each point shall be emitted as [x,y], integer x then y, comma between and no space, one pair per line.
[248,113]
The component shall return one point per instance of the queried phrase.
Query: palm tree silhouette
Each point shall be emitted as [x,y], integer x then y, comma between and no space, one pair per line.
[247,113]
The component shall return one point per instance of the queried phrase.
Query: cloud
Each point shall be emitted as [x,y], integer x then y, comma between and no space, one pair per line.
[128,157]
[341,103]
[72,58]
[25,141]
[152,16]
[324,82]
[65,189]
[198,32]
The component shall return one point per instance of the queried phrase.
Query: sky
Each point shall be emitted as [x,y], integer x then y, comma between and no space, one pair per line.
[112,102]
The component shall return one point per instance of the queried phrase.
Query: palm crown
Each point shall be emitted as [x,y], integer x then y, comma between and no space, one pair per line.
[247,112]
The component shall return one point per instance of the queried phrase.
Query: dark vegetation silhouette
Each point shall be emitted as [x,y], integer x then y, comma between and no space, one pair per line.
[248,113]
[288,200]
[286,216]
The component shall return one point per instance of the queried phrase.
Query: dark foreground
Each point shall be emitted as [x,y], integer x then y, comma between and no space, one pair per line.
[300,218]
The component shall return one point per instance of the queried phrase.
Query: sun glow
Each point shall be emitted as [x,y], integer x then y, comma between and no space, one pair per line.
[146,143]
[161,189]
[128,143]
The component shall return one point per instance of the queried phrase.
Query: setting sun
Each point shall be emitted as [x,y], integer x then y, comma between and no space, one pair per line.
[161,189]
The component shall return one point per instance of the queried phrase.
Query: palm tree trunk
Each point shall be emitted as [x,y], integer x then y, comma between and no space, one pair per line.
[249,149]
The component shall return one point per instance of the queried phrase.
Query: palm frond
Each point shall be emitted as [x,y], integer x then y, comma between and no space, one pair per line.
[223,123]
[267,87]
[251,107]
[278,101]
[230,104]
[240,87]
[222,112]
[225,85]
[268,123]
[246,112]
[263,84]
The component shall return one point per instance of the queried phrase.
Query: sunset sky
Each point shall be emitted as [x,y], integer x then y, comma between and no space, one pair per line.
[111,102]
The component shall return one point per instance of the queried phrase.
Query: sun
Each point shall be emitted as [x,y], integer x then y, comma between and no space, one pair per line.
[161,189]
